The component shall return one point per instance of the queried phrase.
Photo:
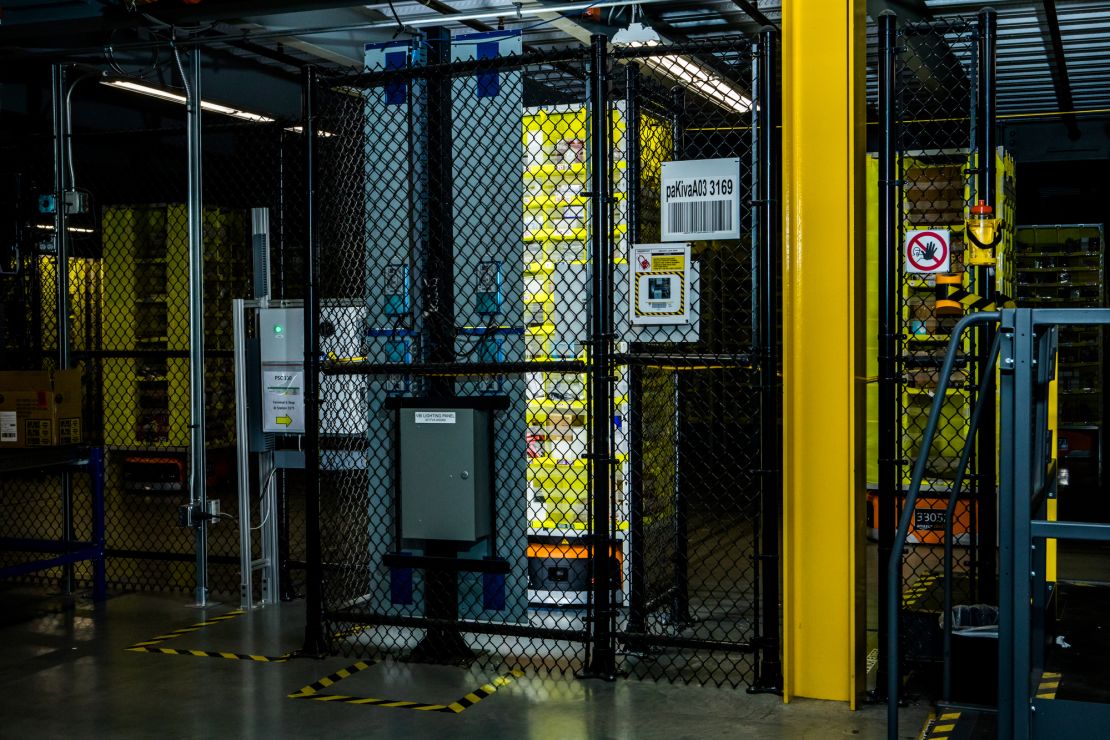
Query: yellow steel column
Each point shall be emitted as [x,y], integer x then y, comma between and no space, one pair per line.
[824,391]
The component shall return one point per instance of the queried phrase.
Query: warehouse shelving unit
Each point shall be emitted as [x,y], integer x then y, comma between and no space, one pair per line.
[1063,266]
[556,176]
[146,373]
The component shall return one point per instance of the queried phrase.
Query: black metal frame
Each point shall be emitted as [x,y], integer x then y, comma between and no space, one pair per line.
[601,636]
[1025,350]
[977,469]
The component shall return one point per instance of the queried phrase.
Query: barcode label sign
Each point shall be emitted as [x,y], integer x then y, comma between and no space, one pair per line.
[700,200]
[700,216]
[9,427]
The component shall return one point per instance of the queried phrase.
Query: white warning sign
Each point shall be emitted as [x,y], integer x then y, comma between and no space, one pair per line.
[283,401]
[928,251]
[659,284]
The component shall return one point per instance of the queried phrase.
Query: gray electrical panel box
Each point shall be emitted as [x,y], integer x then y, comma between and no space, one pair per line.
[445,474]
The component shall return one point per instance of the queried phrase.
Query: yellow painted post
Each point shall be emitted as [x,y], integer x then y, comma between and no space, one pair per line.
[824,373]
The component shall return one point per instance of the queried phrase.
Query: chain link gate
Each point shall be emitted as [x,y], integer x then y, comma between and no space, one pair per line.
[426,289]
[474,203]
[688,453]
[932,78]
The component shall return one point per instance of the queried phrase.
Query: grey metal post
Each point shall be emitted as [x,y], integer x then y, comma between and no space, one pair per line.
[1016,516]
[242,449]
[61,185]
[61,276]
[1006,476]
[198,469]
[314,643]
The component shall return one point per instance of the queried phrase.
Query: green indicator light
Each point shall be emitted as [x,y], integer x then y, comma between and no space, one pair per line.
[278,329]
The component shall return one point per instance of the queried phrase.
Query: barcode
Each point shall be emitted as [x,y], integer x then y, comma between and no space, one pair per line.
[700,216]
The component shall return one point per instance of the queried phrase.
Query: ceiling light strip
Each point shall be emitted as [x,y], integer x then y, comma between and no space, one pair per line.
[173,97]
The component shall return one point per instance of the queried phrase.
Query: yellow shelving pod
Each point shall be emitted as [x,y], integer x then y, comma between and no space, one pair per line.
[146,319]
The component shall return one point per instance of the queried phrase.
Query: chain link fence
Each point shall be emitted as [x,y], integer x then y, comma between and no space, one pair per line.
[477,205]
[129,324]
[688,496]
[936,78]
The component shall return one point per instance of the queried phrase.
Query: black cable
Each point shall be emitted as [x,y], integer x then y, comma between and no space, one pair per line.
[400,26]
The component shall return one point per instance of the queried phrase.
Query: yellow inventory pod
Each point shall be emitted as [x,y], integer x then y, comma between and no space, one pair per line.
[984,232]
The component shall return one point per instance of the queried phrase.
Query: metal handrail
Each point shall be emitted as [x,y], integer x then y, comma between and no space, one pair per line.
[957,485]
[894,565]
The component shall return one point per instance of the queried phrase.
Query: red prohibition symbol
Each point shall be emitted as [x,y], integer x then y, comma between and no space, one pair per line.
[927,251]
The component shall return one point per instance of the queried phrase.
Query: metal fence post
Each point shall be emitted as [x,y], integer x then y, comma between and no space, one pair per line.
[441,237]
[441,592]
[603,653]
[197,438]
[60,103]
[314,643]
[679,602]
[637,587]
[767,196]
[985,282]
[61,184]
[888,320]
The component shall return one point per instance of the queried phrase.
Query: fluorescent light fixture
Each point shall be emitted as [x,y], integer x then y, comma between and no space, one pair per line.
[71,229]
[701,80]
[637,34]
[300,130]
[173,97]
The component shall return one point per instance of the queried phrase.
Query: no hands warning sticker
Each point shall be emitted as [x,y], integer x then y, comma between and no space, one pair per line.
[928,251]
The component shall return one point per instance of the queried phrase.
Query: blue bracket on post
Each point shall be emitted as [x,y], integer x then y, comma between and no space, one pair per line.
[400,585]
[390,56]
[487,45]
[493,591]
[100,576]
[489,83]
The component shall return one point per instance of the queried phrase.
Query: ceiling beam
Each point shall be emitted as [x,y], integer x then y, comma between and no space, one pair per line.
[1059,67]
[444,9]
[50,34]
[755,13]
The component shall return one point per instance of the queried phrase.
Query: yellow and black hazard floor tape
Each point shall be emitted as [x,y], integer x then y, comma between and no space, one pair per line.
[941,728]
[314,692]
[920,587]
[353,631]
[1049,685]
[153,645]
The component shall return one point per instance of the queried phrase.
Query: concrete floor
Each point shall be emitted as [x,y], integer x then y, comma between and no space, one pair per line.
[64,672]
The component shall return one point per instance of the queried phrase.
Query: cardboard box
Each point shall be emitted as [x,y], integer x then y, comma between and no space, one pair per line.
[40,408]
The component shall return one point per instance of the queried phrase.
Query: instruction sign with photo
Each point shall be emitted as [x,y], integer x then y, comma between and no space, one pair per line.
[283,401]
[659,290]
[928,251]
[700,200]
